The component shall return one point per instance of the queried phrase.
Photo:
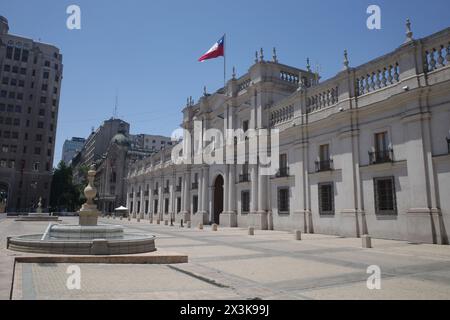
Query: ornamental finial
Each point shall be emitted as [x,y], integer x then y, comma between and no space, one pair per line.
[233,75]
[274,56]
[261,55]
[308,65]
[346,62]
[409,33]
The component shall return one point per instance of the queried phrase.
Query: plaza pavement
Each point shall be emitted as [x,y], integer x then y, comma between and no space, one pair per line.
[229,264]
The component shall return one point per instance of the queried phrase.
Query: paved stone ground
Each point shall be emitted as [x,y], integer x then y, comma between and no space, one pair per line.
[229,264]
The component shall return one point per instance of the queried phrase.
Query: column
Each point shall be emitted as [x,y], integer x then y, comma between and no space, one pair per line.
[142,201]
[424,218]
[150,198]
[232,189]
[160,199]
[206,190]
[225,188]
[200,191]
[254,188]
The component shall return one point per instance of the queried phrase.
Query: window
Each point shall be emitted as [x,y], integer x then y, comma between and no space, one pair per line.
[245,202]
[326,198]
[37,150]
[5,148]
[17,52]
[245,125]
[384,192]
[283,171]
[39,137]
[46,75]
[40,125]
[23,71]
[44,87]
[47,63]
[155,206]
[178,204]
[324,163]
[43,99]
[166,205]
[25,55]
[283,200]
[9,52]
[194,204]
[15,69]
[42,112]
[13,82]
[5,80]
[382,152]
[7,68]
[36,166]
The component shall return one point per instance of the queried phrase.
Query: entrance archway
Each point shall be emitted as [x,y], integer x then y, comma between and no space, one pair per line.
[218,198]
[4,189]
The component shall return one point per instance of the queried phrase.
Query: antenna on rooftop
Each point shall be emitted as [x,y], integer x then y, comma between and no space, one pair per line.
[116,105]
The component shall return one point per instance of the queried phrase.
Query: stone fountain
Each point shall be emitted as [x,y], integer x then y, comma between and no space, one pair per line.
[38,215]
[87,237]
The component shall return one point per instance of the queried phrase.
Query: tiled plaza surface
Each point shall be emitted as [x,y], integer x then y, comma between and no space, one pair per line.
[229,264]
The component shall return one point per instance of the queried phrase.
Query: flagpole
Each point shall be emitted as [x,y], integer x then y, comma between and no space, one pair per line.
[224,60]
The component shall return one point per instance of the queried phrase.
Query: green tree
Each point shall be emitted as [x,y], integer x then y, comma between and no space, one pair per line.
[64,195]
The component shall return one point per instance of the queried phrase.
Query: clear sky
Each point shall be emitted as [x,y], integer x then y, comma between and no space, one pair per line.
[148,50]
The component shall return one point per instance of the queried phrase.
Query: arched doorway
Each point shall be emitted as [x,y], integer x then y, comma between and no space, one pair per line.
[218,198]
[3,196]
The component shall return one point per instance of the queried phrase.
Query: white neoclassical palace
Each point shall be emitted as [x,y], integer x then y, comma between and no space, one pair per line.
[365,152]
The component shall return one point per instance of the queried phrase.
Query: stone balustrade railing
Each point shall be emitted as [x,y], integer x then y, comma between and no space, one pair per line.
[322,99]
[436,52]
[281,115]
[376,79]
[244,84]
[289,77]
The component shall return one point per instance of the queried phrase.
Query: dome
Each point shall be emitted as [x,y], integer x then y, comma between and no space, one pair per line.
[121,140]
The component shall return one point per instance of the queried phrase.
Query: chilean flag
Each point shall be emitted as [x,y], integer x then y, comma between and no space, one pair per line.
[217,50]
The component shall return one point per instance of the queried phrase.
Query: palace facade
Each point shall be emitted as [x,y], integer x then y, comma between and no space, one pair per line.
[364,152]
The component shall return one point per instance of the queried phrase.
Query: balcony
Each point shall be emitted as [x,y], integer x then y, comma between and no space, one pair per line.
[138,194]
[324,165]
[178,188]
[146,193]
[383,156]
[194,185]
[245,177]
[155,192]
[282,172]
[166,190]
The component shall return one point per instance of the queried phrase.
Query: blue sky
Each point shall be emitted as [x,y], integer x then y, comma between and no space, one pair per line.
[148,50]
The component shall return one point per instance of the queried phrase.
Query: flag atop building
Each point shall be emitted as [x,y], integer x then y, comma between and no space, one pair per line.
[217,50]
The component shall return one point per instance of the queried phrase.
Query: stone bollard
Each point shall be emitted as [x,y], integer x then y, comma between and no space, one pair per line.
[214,227]
[166,222]
[181,223]
[200,226]
[138,219]
[188,224]
[151,220]
[366,241]
[298,235]
[121,218]
[158,221]
[129,218]
[251,231]
[114,216]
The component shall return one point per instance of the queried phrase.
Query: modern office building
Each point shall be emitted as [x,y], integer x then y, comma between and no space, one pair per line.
[71,148]
[30,82]
[364,152]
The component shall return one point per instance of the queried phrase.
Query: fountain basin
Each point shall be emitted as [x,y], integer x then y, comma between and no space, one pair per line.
[128,243]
